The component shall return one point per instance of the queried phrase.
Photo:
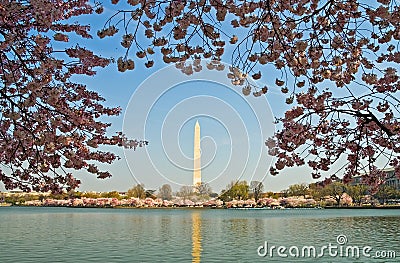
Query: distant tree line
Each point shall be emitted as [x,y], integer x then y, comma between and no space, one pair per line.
[235,190]
[337,189]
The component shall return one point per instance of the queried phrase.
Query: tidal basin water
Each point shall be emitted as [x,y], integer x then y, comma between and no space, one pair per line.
[40,234]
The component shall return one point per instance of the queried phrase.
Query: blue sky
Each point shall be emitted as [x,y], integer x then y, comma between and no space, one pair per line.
[162,105]
[233,130]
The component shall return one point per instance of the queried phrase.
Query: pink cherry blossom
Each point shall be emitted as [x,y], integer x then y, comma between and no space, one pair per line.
[49,124]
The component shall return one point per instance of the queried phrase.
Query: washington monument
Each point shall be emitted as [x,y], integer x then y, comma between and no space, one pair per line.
[197,156]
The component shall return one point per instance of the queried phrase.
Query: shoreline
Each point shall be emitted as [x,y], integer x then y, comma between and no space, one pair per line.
[221,207]
[365,207]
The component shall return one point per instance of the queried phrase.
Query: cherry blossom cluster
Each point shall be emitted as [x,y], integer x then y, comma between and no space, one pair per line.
[49,125]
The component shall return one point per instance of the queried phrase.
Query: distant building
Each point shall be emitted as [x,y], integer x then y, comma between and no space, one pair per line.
[391,179]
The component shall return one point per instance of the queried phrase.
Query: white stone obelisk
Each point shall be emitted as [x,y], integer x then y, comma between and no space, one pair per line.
[197,156]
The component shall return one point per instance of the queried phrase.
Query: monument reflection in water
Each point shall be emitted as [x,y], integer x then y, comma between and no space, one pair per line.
[196,237]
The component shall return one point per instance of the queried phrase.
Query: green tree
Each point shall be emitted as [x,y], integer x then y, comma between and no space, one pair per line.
[238,190]
[31,197]
[91,195]
[336,191]
[42,197]
[74,194]
[226,194]
[256,188]
[15,199]
[357,192]
[150,193]
[59,196]
[396,194]
[112,194]
[214,195]
[298,190]
[316,191]
[137,191]
[385,193]
[272,195]
[241,190]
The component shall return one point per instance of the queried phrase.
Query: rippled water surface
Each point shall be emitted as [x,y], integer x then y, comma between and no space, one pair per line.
[38,234]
